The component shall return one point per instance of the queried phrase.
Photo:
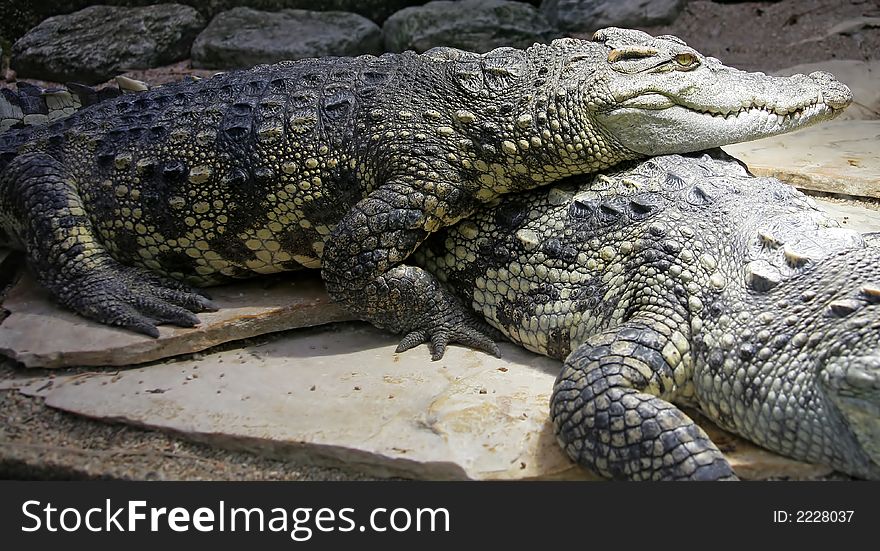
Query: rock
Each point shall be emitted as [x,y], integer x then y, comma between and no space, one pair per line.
[94,44]
[862,77]
[472,25]
[591,15]
[851,216]
[40,333]
[833,157]
[342,397]
[847,27]
[243,37]
[19,17]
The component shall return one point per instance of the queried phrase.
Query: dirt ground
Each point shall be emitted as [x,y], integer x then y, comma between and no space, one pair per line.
[37,442]
[768,36]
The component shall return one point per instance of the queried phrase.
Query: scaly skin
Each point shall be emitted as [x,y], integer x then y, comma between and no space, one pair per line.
[682,280]
[348,164]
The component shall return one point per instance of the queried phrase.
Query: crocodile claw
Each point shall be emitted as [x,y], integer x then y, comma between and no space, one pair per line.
[472,333]
[136,299]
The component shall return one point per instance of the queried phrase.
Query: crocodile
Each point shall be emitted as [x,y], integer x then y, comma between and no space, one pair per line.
[682,281]
[348,164]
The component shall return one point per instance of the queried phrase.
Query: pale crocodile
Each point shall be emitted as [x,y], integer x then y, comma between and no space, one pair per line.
[682,280]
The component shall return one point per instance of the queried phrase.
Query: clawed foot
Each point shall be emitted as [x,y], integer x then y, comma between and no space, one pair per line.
[136,299]
[467,331]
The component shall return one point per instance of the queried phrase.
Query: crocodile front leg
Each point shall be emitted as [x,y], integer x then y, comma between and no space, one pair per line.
[42,210]
[362,267]
[611,411]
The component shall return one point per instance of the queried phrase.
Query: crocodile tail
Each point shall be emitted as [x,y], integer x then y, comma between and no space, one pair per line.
[30,106]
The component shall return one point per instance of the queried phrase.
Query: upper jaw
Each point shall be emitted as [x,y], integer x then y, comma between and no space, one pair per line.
[748,107]
[818,91]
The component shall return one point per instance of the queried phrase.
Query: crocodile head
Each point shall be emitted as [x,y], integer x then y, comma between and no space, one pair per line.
[657,96]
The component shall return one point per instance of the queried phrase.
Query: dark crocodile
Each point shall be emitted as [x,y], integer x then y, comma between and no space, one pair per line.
[683,280]
[348,164]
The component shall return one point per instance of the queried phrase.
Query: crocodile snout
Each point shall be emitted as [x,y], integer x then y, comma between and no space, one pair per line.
[836,94]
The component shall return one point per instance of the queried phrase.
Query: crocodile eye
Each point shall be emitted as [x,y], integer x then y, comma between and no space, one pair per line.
[686,59]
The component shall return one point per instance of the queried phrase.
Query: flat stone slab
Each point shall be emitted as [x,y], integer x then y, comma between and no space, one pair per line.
[834,157]
[854,217]
[342,397]
[40,333]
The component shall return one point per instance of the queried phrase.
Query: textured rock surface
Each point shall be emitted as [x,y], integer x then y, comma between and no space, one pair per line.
[590,15]
[471,25]
[834,157]
[243,37]
[17,18]
[343,397]
[96,43]
[854,217]
[39,333]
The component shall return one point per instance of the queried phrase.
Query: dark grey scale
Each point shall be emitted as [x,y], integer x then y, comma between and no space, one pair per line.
[339,190]
[30,100]
[698,196]
[236,124]
[173,173]
[511,314]
[255,88]
[375,76]
[585,297]
[609,211]
[338,104]
[157,132]
[558,343]
[511,215]
[105,152]
[468,73]
[554,249]
[495,255]
[226,92]
[642,205]
[583,210]
[502,67]
[159,182]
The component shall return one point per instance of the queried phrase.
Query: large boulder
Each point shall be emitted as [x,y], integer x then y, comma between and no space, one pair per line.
[472,25]
[94,44]
[16,18]
[243,37]
[590,15]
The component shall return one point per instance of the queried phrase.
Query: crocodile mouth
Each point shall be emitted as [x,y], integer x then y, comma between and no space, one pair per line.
[773,114]
[780,116]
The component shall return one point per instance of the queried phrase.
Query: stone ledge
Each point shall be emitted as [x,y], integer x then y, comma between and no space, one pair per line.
[339,396]
[834,157]
[40,333]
